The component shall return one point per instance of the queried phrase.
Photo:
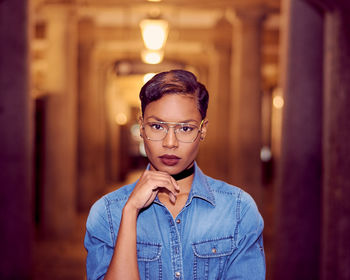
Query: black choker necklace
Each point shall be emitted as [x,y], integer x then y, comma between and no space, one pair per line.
[184,173]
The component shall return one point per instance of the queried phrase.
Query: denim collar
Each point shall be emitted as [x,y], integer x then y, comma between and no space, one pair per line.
[200,188]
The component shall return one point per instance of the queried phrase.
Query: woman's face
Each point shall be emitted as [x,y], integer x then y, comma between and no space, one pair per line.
[170,155]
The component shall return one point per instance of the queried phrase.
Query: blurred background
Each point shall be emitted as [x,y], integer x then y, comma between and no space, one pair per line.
[278,74]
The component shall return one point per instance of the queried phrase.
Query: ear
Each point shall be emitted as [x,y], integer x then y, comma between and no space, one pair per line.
[140,121]
[204,129]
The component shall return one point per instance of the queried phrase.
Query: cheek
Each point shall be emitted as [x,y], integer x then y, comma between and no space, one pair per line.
[192,151]
[149,147]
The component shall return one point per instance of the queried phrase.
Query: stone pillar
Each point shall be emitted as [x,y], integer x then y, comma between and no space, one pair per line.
[59,180]
[91,133]
[16,216]
[298,191]
[216,142]
[245,114]
[336,138]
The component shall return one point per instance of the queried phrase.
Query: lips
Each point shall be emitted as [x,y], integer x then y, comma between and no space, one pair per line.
[169,160]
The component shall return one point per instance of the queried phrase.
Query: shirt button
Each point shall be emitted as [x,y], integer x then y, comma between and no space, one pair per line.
[213,250]
[177,274]
[178,221]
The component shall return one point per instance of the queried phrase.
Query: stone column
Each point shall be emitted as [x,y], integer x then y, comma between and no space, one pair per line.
[298,191]
[336,138]
[16,216]
[59,181]
[216,142]
[91,133]
[245,114]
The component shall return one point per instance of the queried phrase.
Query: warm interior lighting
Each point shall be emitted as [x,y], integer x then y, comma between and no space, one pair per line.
[147,77]
[265,154]
[121,119]
[278,101]
[152,57]
[154,33]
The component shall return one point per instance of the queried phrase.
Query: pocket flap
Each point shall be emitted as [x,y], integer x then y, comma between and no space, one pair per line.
[214,248]
[148,251]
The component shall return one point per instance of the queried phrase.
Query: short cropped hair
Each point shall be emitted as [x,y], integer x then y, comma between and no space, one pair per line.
[174,82]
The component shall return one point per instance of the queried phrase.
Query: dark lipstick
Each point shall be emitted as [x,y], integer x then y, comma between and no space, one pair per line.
[169,160]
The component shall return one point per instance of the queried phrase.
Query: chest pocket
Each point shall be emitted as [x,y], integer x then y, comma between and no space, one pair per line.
[210,257]
[149,260]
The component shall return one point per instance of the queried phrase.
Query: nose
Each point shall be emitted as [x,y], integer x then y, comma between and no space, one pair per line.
[170,141]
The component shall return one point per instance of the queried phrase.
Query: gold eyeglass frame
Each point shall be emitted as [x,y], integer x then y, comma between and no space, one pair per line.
[172,124]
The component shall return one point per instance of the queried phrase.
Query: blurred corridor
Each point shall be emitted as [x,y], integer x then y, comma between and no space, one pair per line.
[61,259]
[278,75]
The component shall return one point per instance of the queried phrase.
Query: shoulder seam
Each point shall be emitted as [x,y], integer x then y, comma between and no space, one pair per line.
[110,223]
[238,214]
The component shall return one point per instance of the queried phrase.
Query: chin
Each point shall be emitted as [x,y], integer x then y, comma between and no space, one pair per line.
[171,169]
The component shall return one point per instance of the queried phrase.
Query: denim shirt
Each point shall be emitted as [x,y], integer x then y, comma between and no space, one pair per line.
[217,235]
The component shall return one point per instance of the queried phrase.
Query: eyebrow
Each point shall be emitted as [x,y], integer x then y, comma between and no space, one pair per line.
[161,120]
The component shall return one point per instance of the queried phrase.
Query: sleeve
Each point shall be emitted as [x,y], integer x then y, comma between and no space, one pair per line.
[248,260]
[99,241]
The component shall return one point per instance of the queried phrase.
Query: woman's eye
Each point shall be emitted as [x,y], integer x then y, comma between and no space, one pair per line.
[156,126]
[186,129]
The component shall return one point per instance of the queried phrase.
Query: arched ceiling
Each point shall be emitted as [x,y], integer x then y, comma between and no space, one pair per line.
[195,25]
[177,3]
[179,13]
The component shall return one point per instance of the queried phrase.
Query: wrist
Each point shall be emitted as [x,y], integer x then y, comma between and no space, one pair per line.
[130,209]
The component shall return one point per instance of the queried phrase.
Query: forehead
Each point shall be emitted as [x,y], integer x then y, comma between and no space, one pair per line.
[173,108]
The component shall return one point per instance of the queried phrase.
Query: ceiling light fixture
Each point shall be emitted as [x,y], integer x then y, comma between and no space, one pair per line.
[152,57]
[154,33]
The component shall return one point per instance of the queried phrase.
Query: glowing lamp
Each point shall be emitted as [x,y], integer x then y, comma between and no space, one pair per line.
[152,57]
[154,33]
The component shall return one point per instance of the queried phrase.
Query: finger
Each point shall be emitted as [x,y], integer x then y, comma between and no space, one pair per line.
[151,198]
[166,183]
[177,187]
[172,198]
[166,176]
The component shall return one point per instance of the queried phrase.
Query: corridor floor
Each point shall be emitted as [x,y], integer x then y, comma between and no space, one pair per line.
[65,259]
[61,259]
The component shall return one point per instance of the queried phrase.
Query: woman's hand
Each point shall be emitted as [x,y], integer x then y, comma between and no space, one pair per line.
[148,187]
[124,261]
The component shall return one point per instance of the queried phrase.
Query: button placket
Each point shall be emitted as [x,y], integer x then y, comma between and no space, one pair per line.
[176,247]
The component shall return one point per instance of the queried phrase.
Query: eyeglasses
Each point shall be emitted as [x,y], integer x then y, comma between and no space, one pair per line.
[184,132]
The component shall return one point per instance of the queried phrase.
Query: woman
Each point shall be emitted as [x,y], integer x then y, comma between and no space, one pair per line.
[174,222]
